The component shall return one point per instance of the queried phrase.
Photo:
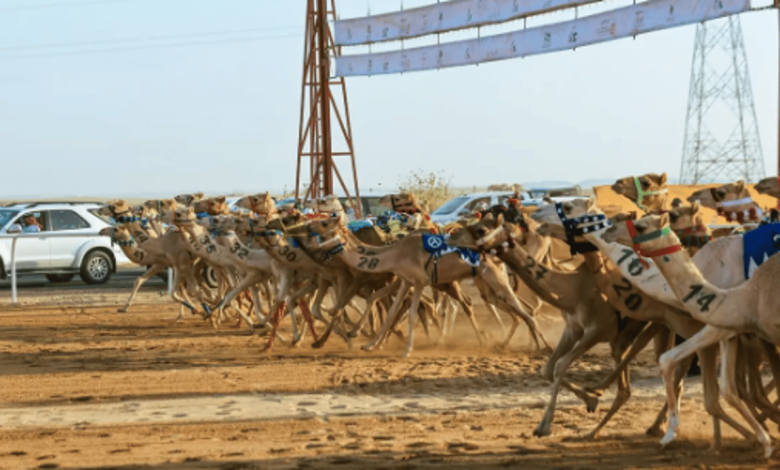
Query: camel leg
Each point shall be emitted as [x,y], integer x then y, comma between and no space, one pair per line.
[413,318]
[621,397]
[152,271]
[637,346]
[373,298]
[588,339]
[620,346]
[501,288]
[729,360]
[707,336]
[391,317]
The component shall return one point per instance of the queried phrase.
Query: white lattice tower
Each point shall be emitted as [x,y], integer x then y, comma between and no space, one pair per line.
[721,130]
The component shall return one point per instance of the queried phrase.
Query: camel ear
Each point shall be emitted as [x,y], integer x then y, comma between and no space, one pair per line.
[663,221]
[662,181]
[677,202]
[695,207]
[191,210]
[198,195]
[591,202]
[632,215]
[220,199]
[500,219]
[740,185]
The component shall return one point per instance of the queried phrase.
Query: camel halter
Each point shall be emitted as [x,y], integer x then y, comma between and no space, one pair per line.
[689,237]
[637,240]
[640,194]
[573,229]
[753,213]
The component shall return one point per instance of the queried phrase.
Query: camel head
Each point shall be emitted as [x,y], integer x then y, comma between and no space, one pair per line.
[548,213]
[216,206]
[261,204]
[183,216]
[683,217]
[649,226]
[715,197]
[188,199]
[327,228]
[327,204]
[116,232]
[484,234]
[552,231]
[224,223]
[770,186]
[648,191]
[403,202]
[115,208]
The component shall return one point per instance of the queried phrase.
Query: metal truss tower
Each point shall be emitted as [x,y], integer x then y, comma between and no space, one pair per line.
[322,110]
[721,129]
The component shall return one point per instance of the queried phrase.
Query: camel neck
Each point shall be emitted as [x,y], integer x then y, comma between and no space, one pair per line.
[703,300]
[556,288]
[648,279]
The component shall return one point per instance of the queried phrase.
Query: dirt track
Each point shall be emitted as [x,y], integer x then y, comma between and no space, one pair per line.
[165,394]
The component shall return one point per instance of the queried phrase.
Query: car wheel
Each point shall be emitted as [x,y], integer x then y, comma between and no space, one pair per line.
[60,277]
[96,268]
[210,276]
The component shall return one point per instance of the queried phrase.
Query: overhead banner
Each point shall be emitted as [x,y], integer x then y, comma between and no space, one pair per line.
[440,18]
[620,23]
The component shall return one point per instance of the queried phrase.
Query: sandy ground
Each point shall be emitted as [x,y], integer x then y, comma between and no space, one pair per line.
[88,387]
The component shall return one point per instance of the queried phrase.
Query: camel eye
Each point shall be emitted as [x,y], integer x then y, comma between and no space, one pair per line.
[721,192]
[640,228]
[673,217]
[645,184]
[481,231]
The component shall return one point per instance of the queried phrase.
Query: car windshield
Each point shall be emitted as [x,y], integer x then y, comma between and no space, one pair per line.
[107,219]
[537,193]
[451,206]
[6,215]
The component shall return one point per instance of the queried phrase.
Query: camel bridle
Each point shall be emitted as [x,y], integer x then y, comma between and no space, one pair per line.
[638,239]
[741,216]
[573,229]
[640,194]
[695,236]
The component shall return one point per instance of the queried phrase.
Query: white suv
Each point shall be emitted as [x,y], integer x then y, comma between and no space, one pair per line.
[59,258]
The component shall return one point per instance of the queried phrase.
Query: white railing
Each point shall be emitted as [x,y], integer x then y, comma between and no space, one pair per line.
[43,235]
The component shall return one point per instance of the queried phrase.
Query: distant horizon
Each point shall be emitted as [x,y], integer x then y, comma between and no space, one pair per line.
[454,189]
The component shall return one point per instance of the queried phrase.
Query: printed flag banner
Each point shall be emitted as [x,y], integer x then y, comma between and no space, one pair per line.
[620,23]
[440,18]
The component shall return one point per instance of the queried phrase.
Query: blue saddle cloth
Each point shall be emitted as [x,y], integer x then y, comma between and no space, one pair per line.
[758,245]
[356,225]
[437,246]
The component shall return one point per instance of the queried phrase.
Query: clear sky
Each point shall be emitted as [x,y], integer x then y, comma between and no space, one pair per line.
[219,112]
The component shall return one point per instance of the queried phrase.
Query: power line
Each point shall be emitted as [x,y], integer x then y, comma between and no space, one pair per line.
[64,5]
[152,46]
[139,39]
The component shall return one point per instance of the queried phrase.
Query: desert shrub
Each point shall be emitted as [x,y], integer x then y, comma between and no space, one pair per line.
[505,187]
[432,188]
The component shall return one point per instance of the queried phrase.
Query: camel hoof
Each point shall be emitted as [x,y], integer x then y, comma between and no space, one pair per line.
[668,438]
[591,404]
[655,431]
[768,450]
[542,431]
[122,310]
[353,334]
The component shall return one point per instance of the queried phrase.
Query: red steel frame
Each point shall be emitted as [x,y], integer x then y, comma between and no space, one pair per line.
[318,108]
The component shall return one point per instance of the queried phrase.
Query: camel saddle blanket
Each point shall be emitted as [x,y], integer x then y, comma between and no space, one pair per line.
[357,225]
[437,246]
[758,245]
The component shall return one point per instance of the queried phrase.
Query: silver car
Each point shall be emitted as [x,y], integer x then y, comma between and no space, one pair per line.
[59,258]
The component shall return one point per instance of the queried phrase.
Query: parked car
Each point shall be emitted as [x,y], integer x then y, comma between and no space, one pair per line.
[59,258]
[537,195]
[465,204]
